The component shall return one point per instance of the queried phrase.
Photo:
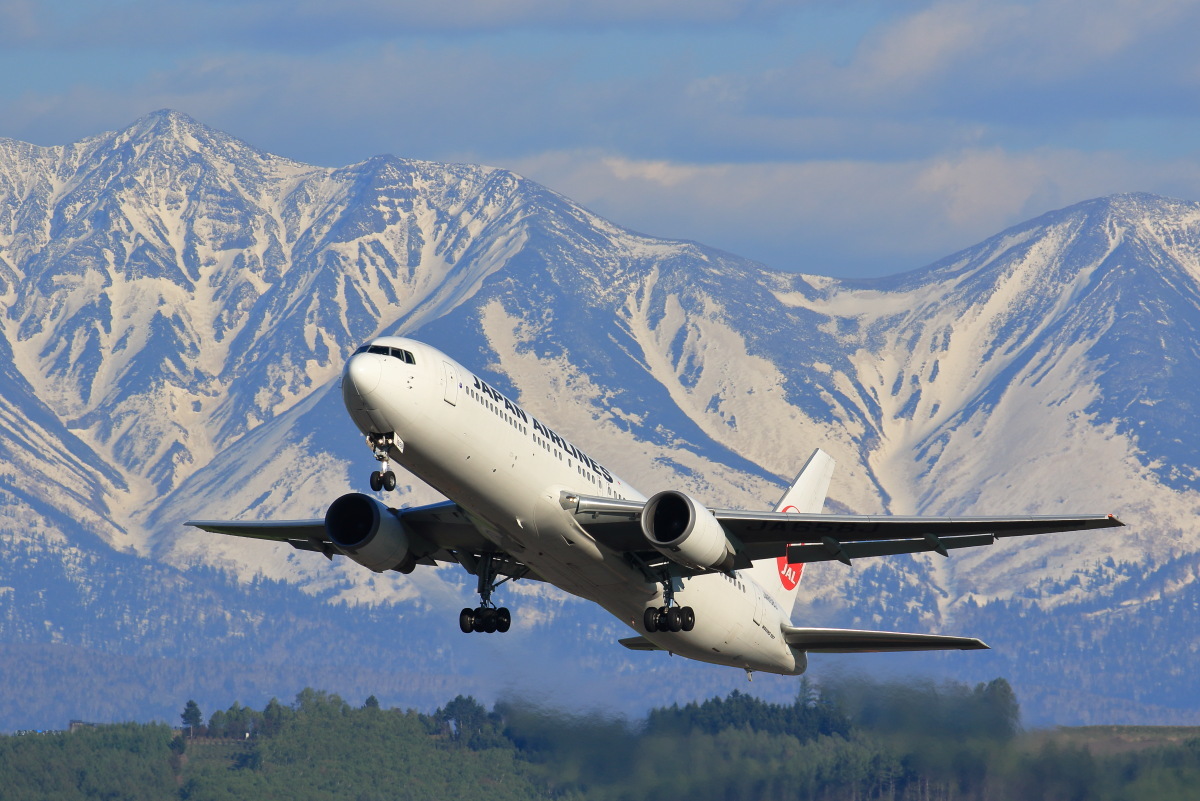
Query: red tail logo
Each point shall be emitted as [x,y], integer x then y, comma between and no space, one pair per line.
[789,575]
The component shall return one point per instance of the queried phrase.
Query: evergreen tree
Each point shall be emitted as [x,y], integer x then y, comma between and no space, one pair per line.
[191,715]
[999,709]
[470,724]
[273,717]
[217,724]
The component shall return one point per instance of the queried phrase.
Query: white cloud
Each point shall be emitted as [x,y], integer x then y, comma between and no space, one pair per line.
[948,53]
[308,24]
[860,217]
[947,121]
[924,46]
[937,77]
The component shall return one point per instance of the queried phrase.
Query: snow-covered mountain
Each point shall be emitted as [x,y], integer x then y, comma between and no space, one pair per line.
[177,306]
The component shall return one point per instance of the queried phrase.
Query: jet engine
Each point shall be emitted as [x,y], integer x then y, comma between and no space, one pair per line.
[369,533]
[681,529]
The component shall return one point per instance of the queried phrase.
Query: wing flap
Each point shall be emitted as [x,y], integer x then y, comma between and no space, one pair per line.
[850,641]
[845,551]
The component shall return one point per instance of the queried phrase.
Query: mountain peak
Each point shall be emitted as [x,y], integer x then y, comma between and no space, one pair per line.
[166,124]
[167,130]
[181,303]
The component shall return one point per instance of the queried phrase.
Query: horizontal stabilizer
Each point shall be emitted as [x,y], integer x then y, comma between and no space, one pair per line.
[639,644]
[850,641]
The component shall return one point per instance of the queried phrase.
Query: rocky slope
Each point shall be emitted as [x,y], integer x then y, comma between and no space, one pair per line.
[176,307]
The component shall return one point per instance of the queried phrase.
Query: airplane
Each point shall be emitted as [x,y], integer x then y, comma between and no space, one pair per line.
[524,503]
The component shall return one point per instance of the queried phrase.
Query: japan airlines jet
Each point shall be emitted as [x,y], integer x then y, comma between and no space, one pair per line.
[715,585]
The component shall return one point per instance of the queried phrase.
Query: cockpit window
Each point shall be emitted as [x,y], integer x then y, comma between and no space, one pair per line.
[396,353]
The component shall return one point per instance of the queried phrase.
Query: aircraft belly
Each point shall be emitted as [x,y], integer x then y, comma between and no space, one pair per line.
[725,632]
[492,482]
[575,554]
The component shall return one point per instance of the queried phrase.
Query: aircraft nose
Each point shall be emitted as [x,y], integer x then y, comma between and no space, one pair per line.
[362,373]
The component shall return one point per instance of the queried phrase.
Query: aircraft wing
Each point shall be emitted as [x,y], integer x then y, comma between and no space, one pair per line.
[849,641]
[825,537]
[440,532]
[819,537]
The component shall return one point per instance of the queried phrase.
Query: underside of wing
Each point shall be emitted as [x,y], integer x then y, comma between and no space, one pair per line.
[818,538]
[441,532]
[848,641]
[823,537]
[306,535]
[278,530]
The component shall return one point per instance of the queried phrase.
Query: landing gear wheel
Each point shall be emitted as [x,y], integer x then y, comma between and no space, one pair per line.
[487,617]
[674,620]
[650,620]
[376,481]
[688,616]
[389,481]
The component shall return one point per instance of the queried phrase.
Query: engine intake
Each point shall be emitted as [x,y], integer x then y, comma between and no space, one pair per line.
[369,533]
[681,529]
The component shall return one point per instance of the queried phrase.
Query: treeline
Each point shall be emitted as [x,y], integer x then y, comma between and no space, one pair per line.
[850,739]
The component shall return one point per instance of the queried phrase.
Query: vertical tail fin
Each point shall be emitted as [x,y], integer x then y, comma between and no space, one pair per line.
[806,496]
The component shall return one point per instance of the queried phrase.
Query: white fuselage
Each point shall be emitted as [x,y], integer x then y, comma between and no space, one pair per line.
[509,470]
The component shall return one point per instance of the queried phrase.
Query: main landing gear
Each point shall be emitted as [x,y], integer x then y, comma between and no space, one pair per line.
[486,617]
[669,617]
[383,479]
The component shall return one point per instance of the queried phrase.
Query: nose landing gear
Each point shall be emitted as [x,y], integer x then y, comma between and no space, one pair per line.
[385,481]
[380,444]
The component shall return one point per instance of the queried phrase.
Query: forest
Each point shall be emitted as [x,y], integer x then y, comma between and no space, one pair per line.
[847,739]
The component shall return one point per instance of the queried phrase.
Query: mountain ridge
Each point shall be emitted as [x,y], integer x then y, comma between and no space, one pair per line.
[178,305]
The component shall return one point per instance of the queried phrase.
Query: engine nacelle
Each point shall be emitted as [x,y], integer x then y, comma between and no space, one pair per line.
[367,531]
[681,529]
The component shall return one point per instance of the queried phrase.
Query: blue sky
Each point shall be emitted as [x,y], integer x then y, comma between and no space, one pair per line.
[839,138]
